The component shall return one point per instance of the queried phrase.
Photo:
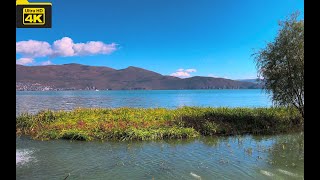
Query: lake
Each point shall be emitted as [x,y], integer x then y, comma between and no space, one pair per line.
[33,101]
[235,157]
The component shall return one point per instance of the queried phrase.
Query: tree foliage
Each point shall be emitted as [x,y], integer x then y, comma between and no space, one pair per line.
[281,64]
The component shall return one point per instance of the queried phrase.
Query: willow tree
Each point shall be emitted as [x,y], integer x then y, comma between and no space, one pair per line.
[281,64]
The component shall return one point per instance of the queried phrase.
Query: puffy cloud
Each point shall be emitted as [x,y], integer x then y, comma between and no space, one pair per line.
[183,73]
[191,70]
[64,47]
[180,74]
[24,61]
[94,47]
[33,48]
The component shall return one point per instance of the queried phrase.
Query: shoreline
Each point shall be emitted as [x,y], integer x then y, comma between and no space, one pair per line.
[122,124]
[139,90]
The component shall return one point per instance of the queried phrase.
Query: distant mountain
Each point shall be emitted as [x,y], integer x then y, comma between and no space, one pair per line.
[83,77]
[256,81]
[249,80]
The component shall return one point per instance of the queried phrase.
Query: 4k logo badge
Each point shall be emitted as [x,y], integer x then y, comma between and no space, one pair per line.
[33,15]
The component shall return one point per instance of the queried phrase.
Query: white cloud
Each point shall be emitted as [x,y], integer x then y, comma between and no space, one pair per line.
[64,47]
[24,61]
[183,73]
[191,70]
[180,74]
[94,47]
[33,49]
[45,63]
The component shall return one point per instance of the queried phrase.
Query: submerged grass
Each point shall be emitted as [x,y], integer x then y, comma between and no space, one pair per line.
[159,123]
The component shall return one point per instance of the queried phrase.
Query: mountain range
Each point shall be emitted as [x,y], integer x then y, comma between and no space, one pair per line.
[256,81]
[83,77]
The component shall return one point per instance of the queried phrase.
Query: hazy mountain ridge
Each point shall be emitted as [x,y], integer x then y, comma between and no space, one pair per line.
[83,77]
[256,80]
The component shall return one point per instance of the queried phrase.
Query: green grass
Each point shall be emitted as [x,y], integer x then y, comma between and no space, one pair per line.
[158,123]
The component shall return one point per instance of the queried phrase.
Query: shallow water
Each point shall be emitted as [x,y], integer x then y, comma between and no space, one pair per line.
[237,157]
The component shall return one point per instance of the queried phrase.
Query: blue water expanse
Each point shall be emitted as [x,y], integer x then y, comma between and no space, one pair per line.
[33,101]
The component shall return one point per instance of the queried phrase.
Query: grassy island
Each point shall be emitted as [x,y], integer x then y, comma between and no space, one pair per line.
[157,123]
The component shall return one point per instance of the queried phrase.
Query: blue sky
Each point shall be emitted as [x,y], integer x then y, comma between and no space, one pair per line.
[185,37]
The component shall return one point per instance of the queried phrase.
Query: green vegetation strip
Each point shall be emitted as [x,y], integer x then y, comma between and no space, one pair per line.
[158,123]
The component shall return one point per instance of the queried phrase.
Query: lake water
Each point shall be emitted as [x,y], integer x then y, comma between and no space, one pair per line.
[235,157]
[33,101]
[243,157]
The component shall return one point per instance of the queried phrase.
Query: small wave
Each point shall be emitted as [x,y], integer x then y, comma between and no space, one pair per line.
[266,173]
[194,175]
[288,173]
[24,156]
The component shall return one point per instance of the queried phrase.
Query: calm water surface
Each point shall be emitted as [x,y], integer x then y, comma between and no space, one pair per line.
[34,101]
[237,157]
